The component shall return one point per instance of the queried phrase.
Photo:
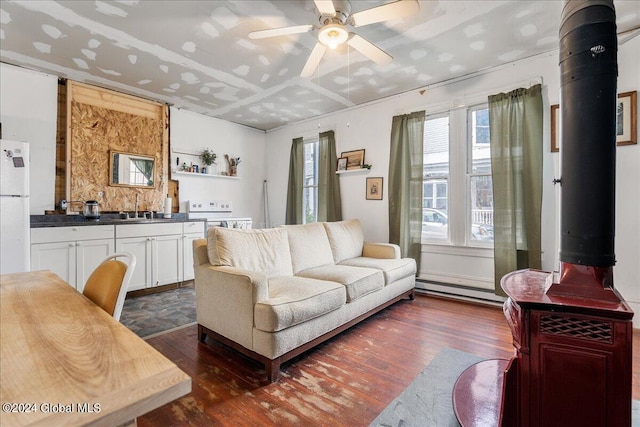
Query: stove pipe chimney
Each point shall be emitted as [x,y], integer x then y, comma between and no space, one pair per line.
[588,72]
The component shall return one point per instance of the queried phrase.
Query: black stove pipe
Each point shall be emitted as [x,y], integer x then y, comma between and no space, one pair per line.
[588,71]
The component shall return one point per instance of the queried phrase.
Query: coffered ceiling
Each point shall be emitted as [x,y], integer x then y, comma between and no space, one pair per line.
[197,55]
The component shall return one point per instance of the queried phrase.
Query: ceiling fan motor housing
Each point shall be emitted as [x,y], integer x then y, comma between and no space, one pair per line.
[343,11]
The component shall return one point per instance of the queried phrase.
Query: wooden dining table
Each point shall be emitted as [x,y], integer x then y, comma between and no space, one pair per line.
[66,362]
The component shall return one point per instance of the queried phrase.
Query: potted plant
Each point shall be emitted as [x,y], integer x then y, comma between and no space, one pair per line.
[208,158]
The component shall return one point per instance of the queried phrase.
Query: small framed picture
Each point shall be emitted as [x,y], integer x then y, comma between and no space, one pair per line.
[374,188]
[355,158]
[555,128]
[626,119]
[342,164]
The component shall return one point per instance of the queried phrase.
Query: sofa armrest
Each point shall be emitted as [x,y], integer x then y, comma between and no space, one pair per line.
[381,250]
[225,299]
[200,255]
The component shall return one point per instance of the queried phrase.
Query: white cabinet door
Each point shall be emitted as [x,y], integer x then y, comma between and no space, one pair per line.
[158,260]
[188,254]
[89,254]
[59,257]
[140,247]
[191,231]
[167,259]
[71,252]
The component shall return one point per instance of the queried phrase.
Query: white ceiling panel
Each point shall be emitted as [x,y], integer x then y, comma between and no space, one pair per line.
[197,54]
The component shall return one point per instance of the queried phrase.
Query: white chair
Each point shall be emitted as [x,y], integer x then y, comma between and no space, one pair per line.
[107,285]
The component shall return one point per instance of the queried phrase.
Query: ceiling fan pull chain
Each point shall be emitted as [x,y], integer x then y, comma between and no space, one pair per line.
[349,73]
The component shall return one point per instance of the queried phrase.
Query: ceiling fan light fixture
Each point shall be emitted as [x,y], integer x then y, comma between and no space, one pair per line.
[333,35]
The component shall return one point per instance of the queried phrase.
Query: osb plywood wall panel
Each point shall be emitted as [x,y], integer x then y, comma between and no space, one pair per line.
[102,121]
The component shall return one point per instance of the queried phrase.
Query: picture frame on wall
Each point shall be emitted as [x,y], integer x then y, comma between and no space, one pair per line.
[555,128]
[342,164]
[374,188]
[355,158]
[627,119]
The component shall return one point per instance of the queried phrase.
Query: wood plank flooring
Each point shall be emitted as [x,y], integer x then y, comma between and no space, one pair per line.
[346,381]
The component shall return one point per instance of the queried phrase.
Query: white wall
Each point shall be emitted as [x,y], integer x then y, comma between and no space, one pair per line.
[626,273]
[192,133]
[369,127]
[28,112]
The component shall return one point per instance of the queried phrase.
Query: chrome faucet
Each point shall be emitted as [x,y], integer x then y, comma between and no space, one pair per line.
[136,214]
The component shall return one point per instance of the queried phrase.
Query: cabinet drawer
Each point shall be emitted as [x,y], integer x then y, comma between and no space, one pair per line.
[142,230]
[193,227]
[65,234]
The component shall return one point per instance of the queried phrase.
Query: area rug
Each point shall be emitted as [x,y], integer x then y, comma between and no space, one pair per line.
[427,401]
[150,315]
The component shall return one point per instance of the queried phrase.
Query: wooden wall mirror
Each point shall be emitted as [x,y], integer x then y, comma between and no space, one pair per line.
[131,170]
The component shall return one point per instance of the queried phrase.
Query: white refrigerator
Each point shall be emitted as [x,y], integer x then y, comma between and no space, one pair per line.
[14,207]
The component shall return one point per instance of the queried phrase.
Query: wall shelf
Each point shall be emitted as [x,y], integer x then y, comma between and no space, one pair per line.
[204,175]
[361,171]
[181,151]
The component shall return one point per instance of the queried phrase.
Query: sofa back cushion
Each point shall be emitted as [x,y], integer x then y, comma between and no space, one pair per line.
[309,246]
[345,238]
[265,250]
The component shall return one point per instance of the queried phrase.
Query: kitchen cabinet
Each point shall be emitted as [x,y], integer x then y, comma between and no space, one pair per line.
[71,252]
[159,250]
[191,231]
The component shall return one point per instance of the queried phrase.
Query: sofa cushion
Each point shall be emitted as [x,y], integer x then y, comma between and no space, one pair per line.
[293,300]
[393,269]
[265,250]
[357,281]
[309,246]
[346,239]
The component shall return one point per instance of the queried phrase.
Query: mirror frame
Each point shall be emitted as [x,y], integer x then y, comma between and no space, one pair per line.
[141,156]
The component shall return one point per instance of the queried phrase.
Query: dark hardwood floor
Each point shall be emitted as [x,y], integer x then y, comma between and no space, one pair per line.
[346,381]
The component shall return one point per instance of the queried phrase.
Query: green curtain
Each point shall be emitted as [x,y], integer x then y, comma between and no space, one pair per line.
[515,123]
[405,183]
[329,202]
[296,178]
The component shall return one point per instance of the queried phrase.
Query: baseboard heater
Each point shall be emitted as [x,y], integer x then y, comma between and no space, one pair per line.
[461,292]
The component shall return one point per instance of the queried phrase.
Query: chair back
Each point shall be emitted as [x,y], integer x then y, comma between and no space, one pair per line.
[107,285]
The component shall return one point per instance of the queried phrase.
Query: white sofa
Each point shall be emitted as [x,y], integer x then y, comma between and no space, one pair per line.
[275,293]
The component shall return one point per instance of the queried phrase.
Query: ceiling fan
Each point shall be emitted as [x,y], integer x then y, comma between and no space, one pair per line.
[334,18]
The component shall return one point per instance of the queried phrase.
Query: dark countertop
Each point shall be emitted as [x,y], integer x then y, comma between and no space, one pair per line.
[41,221]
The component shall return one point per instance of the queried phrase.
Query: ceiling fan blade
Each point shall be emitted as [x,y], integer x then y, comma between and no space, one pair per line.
[314,59]
[325,7]
[386,12]
[283,31]
[369,50]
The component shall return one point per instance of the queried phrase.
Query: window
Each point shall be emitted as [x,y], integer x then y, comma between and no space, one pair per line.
[479,175]
[457,187]
[436,175]
[310,185]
